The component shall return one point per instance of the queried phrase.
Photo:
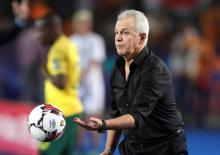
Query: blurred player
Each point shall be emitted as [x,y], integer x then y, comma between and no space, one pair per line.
[92,53]
[61,71]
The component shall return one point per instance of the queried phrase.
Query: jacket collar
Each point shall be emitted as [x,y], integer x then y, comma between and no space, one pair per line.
[137,60]
[141,56]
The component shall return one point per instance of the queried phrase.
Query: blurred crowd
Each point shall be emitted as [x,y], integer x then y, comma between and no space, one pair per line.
[184,33]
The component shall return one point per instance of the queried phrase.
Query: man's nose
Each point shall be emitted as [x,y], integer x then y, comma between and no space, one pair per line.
[118,38]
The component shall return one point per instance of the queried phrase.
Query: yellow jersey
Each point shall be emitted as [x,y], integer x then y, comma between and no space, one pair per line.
[63,59]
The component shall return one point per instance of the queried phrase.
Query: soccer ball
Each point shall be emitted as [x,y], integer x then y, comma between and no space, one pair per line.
[46,123]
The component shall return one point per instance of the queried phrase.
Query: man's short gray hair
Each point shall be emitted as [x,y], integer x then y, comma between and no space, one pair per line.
[142,24]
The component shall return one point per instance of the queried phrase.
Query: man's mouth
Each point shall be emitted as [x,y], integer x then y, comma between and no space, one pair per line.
[119,46]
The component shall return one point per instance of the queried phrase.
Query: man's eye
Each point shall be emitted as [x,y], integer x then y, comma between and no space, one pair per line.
[125,32]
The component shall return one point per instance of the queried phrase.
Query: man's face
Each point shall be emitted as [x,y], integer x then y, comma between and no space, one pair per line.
[127,40]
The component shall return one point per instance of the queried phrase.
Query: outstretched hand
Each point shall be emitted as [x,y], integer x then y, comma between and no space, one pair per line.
[92,124]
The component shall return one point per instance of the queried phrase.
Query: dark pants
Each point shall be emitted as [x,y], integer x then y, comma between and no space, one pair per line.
[174,145]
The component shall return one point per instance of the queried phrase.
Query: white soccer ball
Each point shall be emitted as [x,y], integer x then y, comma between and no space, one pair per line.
[46,123]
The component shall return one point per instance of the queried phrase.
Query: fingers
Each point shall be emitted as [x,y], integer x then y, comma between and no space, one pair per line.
[79,122]
[93,124]
[95,120]
[83,123]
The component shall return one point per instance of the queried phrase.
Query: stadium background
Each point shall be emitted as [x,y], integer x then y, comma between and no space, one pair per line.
[184,33]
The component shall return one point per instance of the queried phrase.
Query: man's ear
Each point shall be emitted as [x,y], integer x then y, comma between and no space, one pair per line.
[143,37]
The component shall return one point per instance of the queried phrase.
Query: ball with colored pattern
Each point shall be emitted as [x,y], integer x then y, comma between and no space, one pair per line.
[46,123]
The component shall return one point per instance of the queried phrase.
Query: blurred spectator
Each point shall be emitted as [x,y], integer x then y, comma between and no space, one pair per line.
[11,83]
[61,71]
[20,10]
[184,65]
[29,58]
[210,23]
[92,53]
[203,79]
[192,60]
[31,53]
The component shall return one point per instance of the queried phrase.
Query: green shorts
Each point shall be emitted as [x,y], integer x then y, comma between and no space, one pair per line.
[65,144]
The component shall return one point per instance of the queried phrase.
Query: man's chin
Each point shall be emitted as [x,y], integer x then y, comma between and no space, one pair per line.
[121,53]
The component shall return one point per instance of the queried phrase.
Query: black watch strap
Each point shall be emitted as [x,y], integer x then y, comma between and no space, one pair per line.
[103,127]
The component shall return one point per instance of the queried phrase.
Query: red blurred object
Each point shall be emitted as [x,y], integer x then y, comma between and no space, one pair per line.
[14,136]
